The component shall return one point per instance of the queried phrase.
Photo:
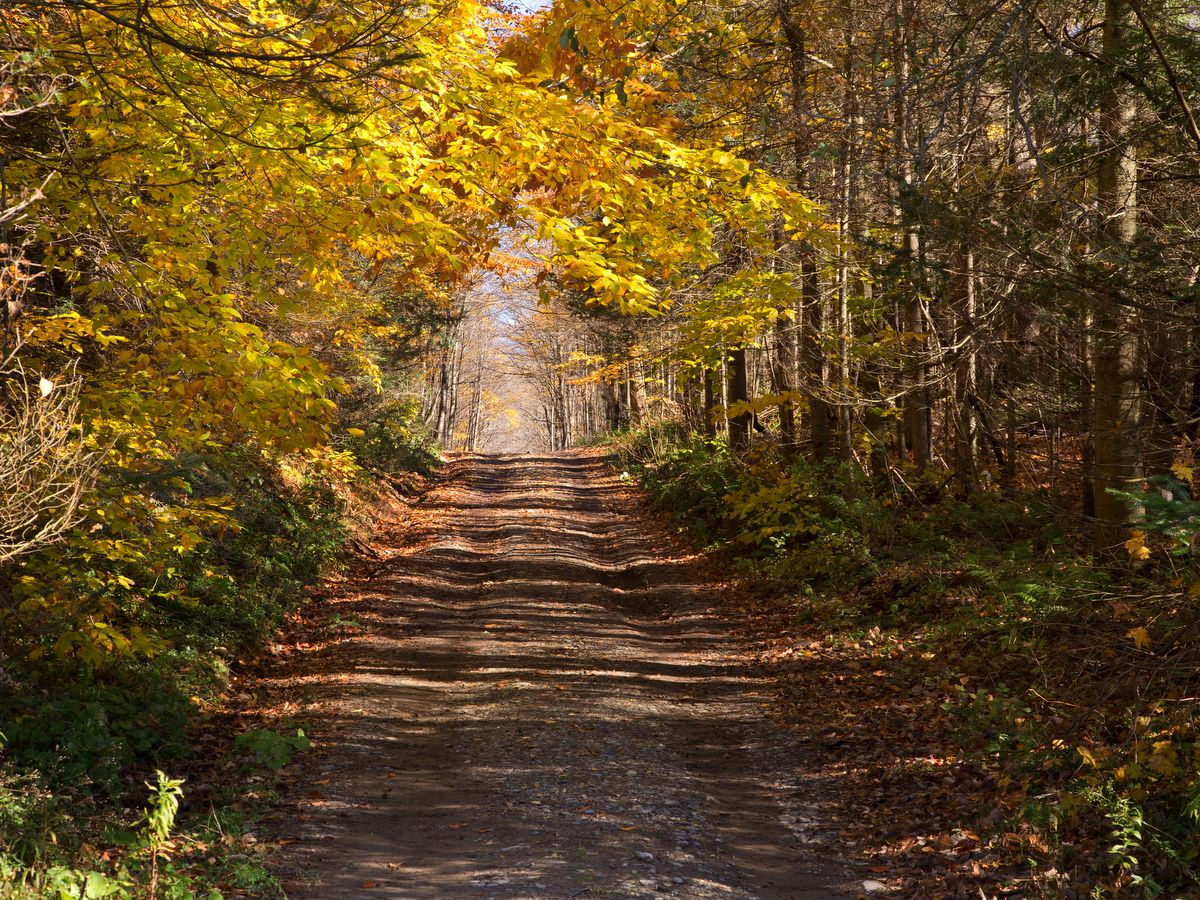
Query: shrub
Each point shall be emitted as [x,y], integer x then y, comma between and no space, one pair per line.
[270,749]
[785,516]
[85,729]
[687,476]
[390,439]
[85,722]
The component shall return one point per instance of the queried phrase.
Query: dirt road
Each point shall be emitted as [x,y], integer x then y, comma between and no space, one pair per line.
[538,701]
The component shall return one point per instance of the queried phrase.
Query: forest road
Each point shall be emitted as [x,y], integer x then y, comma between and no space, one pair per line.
[536,699]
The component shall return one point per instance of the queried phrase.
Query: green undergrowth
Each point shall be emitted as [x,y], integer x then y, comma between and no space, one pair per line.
[82,737]
[383,442]
[63,844]
[1073,684]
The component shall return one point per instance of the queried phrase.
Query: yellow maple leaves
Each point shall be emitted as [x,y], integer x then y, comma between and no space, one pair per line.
[1136,545]
[1140,637]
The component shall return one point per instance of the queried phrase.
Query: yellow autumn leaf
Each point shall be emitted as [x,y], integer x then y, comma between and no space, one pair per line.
[1163,758]
[1183,472]
[1136,545]
[1140,636]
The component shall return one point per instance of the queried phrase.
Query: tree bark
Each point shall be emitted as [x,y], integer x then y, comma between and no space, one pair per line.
[916,401]
[966,422]
[1118,390]
[739,392]
[710,402]
[812,353]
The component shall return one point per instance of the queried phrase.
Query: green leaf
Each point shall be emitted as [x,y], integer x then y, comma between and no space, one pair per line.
[98,885]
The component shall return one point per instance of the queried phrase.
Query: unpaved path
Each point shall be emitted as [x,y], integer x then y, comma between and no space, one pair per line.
[540,703]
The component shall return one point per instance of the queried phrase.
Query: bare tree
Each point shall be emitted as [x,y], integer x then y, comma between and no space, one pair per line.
[46,467]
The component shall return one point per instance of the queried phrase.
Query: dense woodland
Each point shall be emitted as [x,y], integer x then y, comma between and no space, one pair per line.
[1005,251]
[898,293]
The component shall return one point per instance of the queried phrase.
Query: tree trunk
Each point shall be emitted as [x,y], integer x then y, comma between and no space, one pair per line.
[739,392]
[1087,414]
[710,403]
[916,401]
[845,176]
[812,354]
[1118,389]
[966,423]
[783,378]
[476,405]
[635,400]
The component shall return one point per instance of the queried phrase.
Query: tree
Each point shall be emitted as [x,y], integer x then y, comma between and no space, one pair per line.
[1117,407]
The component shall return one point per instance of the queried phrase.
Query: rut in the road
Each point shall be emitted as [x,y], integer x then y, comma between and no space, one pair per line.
[541,704]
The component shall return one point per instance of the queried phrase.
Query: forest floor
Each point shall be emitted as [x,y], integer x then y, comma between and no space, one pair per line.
[534,691]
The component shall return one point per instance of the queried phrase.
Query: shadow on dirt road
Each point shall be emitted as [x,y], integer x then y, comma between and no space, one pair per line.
[541,703]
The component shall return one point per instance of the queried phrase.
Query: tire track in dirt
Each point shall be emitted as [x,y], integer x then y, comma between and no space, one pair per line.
[540,703]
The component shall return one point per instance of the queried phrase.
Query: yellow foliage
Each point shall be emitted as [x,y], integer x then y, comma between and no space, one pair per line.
[1140,637]
[1136,545]
[231,214]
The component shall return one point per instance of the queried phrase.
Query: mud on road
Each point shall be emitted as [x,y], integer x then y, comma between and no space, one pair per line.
[538,699]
